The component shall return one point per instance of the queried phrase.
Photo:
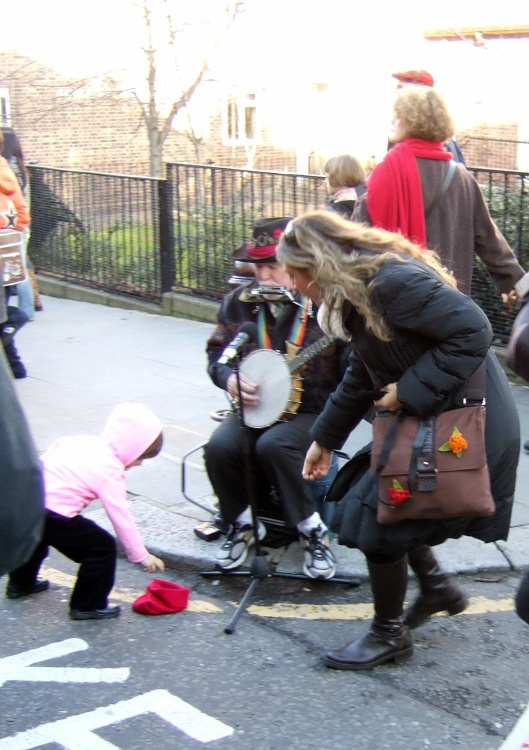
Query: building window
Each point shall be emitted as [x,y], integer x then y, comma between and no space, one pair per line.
[240,120]
[5,108]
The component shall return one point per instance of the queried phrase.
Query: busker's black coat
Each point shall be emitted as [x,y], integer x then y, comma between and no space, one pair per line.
[439,338]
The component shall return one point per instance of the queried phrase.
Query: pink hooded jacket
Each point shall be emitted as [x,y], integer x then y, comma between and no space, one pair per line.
[80,469]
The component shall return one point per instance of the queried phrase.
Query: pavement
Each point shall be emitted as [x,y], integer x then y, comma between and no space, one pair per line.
[84,358]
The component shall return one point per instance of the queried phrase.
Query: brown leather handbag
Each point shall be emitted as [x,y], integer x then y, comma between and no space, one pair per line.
[433,468]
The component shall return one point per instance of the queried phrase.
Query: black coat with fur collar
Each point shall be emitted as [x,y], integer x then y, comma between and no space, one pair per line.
[439,338]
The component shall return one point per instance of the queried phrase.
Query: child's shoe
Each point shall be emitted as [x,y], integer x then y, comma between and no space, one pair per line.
[15,592]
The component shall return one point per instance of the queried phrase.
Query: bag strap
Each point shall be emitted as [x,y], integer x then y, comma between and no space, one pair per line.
[444,187]
[422,462]
[389,440]
[422,472]
[475,391]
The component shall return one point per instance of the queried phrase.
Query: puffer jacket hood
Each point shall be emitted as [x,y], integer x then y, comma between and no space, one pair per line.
[130,430]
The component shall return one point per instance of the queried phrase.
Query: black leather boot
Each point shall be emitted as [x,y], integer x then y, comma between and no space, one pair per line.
[438,592]
[388,638]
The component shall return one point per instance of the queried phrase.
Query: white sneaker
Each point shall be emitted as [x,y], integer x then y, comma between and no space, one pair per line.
[318,560]
[235,549]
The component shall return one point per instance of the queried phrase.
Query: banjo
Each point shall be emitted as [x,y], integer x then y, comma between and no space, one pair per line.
[279,380]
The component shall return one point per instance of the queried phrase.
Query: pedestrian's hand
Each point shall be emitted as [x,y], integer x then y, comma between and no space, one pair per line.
[317,462]
[152,562]
[389,401]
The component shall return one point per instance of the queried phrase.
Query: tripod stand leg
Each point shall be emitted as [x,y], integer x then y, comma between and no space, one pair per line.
[230,627]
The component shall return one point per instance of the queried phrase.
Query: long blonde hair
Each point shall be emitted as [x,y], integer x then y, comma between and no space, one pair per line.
[326,247]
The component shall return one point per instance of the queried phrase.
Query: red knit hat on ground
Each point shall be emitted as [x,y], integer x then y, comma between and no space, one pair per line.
[162,598]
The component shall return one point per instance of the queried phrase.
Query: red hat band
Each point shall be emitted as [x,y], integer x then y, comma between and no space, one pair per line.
[258,253]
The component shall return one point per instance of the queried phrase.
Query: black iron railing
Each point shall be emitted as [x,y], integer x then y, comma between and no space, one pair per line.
[507,196]
[214,211]
[142,236]
[99,230]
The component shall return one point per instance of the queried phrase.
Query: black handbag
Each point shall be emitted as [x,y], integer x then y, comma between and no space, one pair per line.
[349,474]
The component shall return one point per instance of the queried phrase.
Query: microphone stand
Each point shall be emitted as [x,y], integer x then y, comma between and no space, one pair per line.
[260,568]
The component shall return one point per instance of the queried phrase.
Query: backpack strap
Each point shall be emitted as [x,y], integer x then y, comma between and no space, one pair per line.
[444,187]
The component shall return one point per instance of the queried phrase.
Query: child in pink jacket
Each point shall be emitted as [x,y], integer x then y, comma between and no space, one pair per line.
[78,470]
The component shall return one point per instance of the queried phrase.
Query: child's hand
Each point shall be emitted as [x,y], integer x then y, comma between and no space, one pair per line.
[151,563]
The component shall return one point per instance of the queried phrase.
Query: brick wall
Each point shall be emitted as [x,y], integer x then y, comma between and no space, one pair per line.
[490,146]
[89,125]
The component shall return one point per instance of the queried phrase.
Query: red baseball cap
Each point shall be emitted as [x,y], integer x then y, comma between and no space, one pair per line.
[419,77]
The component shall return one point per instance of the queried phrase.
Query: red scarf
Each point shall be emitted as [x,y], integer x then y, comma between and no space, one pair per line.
[394,195]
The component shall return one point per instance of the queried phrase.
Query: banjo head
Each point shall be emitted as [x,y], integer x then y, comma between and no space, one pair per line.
[269,370]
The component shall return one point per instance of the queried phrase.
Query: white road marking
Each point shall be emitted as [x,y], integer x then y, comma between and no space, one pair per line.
[519,736]
[76,732]
[19,667]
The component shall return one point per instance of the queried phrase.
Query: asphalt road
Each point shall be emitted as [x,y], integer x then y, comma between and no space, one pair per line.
[175,680]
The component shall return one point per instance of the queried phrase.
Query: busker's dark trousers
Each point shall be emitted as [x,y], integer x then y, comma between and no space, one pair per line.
[84,542]
[277,457]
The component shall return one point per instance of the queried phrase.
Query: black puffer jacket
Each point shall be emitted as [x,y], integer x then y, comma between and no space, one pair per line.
[439,338]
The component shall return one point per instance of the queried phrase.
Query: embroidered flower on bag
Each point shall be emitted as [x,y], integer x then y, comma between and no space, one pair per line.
[455,444]
[397,494]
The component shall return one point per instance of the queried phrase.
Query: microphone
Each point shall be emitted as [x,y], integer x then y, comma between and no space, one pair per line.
[246,335]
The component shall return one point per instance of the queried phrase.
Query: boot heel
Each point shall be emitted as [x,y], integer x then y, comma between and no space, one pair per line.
[457,607]
[403,655]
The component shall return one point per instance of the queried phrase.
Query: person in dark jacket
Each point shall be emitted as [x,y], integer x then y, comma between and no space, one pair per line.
[285,321]
[345,183]
[418,339]
[406,194]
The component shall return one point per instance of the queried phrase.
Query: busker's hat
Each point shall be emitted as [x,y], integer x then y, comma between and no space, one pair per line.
[419,77]
[162,598]
[262,246]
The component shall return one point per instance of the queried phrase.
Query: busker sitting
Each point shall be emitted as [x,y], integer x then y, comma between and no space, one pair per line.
[284,320]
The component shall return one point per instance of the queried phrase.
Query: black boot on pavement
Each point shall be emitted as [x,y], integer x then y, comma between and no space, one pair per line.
[388,638]
[438,592]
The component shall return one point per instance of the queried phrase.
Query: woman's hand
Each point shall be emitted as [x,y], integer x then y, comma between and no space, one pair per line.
[151,562]
[317,462]
[248,390]
[389,401]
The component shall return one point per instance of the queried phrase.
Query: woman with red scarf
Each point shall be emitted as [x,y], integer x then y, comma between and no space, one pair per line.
[419,191]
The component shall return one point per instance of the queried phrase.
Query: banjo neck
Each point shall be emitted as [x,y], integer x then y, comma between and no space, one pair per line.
[301,359]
